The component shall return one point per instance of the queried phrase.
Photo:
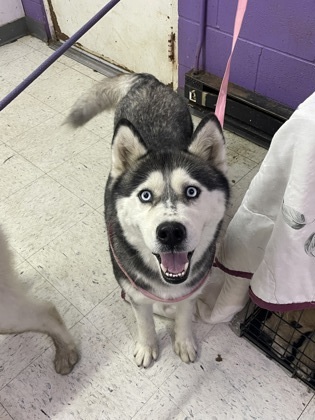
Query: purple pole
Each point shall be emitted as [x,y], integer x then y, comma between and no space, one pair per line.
[56,54]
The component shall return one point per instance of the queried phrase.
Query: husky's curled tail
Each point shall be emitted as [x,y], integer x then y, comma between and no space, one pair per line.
[159,115]
[104,95]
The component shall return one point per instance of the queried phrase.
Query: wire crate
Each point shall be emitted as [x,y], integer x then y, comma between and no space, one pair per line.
[287,337]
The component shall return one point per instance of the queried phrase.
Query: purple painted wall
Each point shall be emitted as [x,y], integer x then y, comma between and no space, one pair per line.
[35,10]
[274,55]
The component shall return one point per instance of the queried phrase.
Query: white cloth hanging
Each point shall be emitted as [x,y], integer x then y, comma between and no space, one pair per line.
[272,235]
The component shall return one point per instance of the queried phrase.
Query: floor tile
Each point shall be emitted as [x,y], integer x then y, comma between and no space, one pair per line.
[17,258]
[77,263]
[67,61]
[41,46]
[18,351]
[309,412]
[238,166]
[85,174]
[38,213]
[196,120]
[14,72]
[221,410]
[160,407]
[13,51]
[241,369]
[35,43]
[56,68]
[41,289]
[194,391]
[287,402]
[239,189]
[15,172]
[4,415]
[24,113]
[5,88]
[241,361]
[104,385]
[100,209]
[61,143]
[120,328]
[60,91]
[244,147]
[93,74]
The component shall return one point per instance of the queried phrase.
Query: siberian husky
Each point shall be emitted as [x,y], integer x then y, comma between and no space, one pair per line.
[165,199]
[20,313]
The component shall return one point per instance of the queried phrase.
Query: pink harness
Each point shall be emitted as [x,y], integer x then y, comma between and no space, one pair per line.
[151,295]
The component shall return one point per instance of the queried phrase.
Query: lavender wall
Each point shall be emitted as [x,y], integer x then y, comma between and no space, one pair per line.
[35,10]
[275,53]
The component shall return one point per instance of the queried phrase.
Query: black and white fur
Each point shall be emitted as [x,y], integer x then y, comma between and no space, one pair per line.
[165,199]
[21,313]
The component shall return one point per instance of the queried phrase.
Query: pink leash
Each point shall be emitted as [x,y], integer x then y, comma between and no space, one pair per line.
[221,102]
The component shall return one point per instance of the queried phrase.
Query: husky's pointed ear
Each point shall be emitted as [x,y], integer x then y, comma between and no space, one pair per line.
[208,142]
[127,147]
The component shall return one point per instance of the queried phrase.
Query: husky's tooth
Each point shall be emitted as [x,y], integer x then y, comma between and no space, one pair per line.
[175,275]
[163,268]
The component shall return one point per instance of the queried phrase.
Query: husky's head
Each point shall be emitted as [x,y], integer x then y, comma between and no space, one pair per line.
[170,203]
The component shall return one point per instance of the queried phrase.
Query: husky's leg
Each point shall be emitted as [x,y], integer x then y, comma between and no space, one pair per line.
[19,313]
[146,348]
[185,346]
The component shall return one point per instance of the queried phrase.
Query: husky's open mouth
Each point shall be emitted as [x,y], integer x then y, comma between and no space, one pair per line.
[174,266]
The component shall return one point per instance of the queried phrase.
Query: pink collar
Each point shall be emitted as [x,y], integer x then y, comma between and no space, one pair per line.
[151,295]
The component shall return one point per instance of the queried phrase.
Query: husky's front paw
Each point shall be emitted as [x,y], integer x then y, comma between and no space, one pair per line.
[145,353]
[65,359]
[186,349]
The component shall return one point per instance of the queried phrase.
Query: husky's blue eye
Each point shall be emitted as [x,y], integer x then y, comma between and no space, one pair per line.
[145,196]
[192,192]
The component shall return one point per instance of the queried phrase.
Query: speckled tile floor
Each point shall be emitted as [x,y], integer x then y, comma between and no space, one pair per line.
[51,182]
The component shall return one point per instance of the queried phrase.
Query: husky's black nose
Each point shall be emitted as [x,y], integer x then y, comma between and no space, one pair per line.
[171,233]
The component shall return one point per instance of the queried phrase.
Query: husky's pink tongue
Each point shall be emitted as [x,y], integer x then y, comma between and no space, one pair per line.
[174,262]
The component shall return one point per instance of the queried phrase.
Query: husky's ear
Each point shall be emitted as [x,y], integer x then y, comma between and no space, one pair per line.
[127,147]
[208,142]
